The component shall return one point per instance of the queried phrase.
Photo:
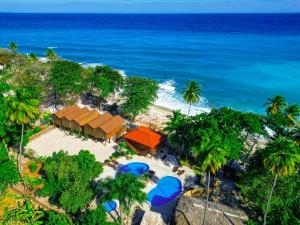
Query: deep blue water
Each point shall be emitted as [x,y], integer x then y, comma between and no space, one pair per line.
[240,59]
[135,168]
[167,189]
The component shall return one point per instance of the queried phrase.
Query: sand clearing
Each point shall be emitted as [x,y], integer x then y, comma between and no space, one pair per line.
[57,139]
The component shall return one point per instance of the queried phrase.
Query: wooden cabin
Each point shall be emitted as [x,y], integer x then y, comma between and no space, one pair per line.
[143,140]
[90,129]
[66,120]
[78,123]
[57,116]
[112,128]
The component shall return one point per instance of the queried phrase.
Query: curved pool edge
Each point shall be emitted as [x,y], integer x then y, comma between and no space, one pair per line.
[160,196]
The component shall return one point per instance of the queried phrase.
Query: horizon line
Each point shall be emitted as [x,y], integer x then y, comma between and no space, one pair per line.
[150,13]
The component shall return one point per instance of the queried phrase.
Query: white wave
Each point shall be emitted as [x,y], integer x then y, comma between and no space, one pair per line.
[43,59]
[52,47]
[169,98]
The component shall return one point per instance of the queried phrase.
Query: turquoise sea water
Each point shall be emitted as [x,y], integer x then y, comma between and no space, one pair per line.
[240,59]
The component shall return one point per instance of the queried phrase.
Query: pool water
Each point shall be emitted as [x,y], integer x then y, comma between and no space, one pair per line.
[135,168]
[167,189]
[110,206]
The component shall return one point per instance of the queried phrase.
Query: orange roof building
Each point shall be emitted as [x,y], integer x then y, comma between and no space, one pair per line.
[143,140]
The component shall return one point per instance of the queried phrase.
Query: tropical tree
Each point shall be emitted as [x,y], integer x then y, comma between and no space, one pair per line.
[13,47]
[275,105]
[104,81]
[191,93]
[32,58]
[175,130]
[292,112]
[21,109]
[69,179]
[51,55]
[212,159]
[66,79]
[126,188]
[283,159]
[138,94]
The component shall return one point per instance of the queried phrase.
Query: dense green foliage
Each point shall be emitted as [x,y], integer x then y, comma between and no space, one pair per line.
[67,80]
[104,81]
[255,188]
[9,174]
[26,214]
[68,179]
[33,166]
[139,93]
[95,217]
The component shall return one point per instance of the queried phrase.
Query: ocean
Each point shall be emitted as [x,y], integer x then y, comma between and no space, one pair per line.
[239,59]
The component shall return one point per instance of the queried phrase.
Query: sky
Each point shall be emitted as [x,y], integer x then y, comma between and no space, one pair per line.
[150,6]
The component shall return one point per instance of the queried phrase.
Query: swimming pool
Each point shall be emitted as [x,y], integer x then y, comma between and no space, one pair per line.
[135,168]
[110,206]
[167,189]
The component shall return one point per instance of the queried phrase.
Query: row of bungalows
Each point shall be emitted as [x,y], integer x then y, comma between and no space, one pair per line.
[90,122]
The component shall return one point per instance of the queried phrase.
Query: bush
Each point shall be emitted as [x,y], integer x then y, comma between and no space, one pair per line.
[46,118]
[33,166]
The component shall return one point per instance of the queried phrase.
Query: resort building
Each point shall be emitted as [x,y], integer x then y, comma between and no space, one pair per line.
[143,140]
[90,122]
[57,116]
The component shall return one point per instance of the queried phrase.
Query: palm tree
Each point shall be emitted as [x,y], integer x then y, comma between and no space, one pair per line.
[32,57]
[174,128]
[292,113]
[213,158]
[51,55]
[191,94]
[126,188]
[21,109]
[13,47]
[275,105]
[282,160]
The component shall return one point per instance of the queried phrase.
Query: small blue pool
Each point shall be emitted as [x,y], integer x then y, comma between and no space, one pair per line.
[167,189]
[110,206]
[135,168]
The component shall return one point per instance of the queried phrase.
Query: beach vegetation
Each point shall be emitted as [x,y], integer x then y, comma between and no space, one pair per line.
[138,94]
[191,94]
[69,179]
[212,158]
[51,55]
[104,81]
[33,166]
[13,47]
[21,109]
[9,174]
[67,81]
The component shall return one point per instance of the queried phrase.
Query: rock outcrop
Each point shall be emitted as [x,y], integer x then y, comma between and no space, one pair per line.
[189,211]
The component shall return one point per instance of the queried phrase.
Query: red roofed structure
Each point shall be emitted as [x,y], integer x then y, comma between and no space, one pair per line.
[143,140]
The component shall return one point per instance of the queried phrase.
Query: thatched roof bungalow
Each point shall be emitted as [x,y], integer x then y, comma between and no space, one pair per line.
[66,120]
[92,127]
[57,116]
[78,123]
[112,128]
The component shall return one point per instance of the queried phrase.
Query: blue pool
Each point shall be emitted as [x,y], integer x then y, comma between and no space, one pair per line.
[167,189]
[110,206]
[135,168]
